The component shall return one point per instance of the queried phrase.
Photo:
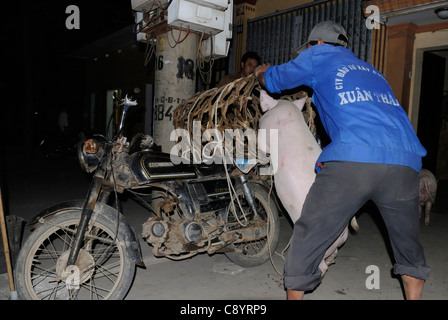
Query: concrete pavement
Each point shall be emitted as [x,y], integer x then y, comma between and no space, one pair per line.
[29,186]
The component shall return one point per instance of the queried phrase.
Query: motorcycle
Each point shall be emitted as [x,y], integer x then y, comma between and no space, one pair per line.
[86,250]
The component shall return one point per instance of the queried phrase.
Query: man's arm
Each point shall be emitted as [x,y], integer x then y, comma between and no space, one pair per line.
[259,74]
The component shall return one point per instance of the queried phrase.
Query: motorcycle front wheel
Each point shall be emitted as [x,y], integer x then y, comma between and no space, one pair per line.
[103,270]
[259,251]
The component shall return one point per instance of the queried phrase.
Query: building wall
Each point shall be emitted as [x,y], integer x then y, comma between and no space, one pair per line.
[250,9]
[275,30]
[428,40]
[264,7]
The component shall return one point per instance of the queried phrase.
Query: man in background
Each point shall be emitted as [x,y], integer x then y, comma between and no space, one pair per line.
[249,62]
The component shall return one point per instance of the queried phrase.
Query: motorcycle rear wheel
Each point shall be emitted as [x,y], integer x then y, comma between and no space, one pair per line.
[258,251]
[103,270]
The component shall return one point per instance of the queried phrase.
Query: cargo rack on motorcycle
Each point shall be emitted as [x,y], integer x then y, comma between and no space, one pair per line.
[233,106]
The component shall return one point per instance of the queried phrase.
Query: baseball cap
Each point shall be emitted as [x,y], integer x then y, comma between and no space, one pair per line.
[327,31]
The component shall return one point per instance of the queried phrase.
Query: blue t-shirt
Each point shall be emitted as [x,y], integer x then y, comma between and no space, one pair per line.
[356,105]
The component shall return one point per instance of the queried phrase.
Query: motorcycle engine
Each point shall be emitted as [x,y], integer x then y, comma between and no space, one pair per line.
[174,237]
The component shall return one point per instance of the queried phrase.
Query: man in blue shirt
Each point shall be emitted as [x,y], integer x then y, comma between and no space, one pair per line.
[374,154]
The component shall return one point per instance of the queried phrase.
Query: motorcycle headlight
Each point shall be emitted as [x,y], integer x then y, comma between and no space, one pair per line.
[90,153]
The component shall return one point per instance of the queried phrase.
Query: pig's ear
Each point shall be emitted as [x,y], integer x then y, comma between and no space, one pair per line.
[300,103]
[266,101]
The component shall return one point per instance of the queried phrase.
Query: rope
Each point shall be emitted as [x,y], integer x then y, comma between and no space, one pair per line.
[233,106]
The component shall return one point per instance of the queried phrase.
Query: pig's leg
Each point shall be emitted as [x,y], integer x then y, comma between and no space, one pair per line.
[420,209]
[332,252]
[428,206]
[323,267]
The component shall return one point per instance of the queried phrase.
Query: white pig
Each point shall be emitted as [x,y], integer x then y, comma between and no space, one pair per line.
[297,155]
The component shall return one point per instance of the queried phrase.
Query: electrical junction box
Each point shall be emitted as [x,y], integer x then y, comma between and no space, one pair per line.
[198,15]
[147,5]
[215,4]
[218,45]
[213,17]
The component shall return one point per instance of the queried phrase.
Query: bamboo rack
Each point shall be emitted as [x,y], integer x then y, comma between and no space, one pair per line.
[233,106]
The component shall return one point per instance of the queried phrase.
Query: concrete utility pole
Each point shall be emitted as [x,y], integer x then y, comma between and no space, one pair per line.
[175,25]
[174,80]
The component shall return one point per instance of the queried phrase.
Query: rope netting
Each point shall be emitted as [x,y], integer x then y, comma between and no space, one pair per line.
[233,106]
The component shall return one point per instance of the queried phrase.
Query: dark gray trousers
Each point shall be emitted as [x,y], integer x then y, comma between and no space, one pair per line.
[339,191]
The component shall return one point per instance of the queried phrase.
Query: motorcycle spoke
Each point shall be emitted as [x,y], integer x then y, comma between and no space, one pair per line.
[49,251]
[109,271]
[43,275]
[52,293]
[95,291]
[67,238]
[73,294]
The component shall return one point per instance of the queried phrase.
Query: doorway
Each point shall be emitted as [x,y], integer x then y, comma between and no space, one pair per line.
[433,111]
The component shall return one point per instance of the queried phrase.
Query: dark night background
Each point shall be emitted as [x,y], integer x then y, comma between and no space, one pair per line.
[41,73]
